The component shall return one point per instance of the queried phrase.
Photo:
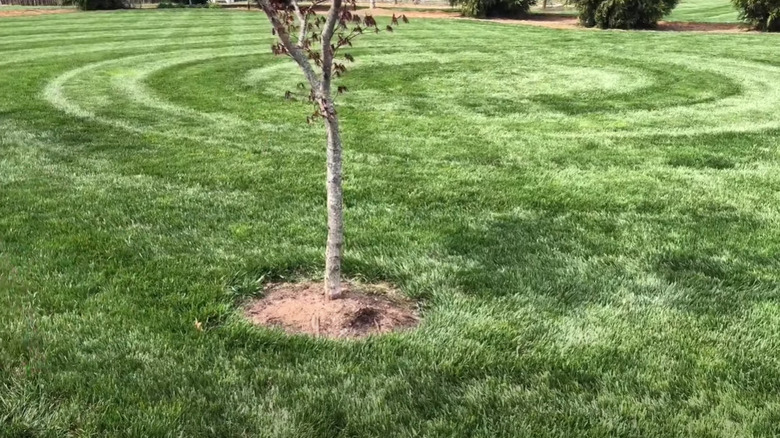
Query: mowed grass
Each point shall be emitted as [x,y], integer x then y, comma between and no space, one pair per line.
[705,11]
[590,221]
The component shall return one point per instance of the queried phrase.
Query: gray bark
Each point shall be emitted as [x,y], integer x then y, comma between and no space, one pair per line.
[333,178]
[323,96]
[335,205]
[373,4]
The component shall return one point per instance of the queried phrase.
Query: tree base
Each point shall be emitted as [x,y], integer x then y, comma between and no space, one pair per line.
[362,310]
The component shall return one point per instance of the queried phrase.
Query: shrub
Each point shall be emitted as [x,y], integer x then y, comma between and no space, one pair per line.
[761,14]
[100,5]
[193,3]
[623,14]
[186,4]
[494,8]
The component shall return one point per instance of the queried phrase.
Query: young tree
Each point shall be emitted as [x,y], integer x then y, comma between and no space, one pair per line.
[314,41]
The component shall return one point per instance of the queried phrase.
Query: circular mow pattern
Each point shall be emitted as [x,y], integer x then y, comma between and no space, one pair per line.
[616,96]
[577,278]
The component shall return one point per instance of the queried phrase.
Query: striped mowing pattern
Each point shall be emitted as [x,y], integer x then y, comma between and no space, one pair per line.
[589,219]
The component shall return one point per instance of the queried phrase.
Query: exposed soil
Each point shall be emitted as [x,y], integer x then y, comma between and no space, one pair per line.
[554,21]
[27,12]
[380,12]
[682,26]
[560,21]
[302,308]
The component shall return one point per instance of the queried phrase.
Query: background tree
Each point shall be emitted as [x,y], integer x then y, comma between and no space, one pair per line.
[494,8]
[314,42]
[96,5]
[623,14]
[760,14]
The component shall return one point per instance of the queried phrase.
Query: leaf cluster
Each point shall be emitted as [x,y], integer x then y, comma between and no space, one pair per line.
[318,41]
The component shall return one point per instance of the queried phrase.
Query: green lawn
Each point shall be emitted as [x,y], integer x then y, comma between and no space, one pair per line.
[591,221]
[708,11]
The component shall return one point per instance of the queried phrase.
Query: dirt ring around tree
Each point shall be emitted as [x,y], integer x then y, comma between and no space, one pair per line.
[363,310]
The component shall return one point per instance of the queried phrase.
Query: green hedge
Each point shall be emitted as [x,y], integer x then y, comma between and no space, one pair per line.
[761,14]
[186,4]
[494,8]
[99,5]
[623,14]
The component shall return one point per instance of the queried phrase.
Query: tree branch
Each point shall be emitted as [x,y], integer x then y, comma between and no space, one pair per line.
[293,50]
[327,48]
[302,21]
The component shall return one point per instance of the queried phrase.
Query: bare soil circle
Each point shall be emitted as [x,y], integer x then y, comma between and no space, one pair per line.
[302,308]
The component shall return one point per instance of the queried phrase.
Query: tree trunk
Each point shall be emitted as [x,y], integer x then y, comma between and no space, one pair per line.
[373,4]
[335,203]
